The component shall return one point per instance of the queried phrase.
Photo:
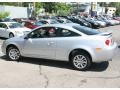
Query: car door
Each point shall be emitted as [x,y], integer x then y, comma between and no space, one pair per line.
[40,43]
[65,41]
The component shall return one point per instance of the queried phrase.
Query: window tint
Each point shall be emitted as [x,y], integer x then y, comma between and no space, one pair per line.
[66,33]
[54,22]
[86,30]
[2,25]
[44,22]
[46,32]
[37,23]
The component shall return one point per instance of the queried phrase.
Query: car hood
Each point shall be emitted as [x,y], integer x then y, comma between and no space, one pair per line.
[20,29]
[15,39]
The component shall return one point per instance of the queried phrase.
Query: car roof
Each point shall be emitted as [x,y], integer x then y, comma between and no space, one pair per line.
[68,26]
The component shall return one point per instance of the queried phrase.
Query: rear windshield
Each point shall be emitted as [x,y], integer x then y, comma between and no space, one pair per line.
[86,30]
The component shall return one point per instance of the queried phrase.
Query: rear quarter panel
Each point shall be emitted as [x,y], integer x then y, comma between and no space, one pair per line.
[66,44]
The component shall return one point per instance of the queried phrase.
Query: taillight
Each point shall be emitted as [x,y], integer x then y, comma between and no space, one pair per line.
[107,42]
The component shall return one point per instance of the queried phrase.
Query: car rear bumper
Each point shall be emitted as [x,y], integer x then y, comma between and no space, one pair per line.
[105,54]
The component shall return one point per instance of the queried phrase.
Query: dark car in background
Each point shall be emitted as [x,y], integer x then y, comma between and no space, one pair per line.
[94,25]
[80,21]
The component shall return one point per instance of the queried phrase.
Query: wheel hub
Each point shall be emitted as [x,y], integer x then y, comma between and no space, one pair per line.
[14,54]
[80,61]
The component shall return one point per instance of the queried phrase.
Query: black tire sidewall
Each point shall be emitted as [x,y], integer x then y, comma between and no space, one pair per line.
[87,58]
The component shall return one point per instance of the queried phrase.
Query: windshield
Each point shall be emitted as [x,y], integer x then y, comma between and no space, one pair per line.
[68,21]
[54,22]
[86,30]
[37,23]
[14,25]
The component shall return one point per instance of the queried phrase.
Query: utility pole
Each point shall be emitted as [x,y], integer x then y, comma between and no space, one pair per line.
[34,8]
[77,7]
[93,8]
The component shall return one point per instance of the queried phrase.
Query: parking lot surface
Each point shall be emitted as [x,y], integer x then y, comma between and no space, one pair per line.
[31,72]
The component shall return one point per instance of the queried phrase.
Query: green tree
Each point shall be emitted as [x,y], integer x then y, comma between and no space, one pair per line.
[63,9]
[4,15]
[49,7]
[9,3]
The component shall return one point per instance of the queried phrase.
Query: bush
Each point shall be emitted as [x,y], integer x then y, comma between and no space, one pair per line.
[4,15]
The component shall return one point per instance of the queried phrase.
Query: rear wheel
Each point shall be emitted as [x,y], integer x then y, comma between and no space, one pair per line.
[80,61]
[13,53]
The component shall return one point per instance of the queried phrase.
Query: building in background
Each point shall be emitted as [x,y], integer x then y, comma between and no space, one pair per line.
[92,9]
[81,7]
[15,12]
[101,10]
[111,11]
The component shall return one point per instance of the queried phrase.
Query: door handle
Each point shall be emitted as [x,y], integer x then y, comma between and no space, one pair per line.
[50,43]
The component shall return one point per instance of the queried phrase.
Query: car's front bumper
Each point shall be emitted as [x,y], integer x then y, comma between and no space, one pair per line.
[3,47]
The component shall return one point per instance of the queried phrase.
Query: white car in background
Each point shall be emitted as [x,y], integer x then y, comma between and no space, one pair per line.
[11,29]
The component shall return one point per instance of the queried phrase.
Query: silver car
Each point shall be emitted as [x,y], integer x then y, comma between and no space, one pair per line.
[66,42]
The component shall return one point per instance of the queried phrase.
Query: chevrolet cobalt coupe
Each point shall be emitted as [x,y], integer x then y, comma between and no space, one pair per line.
[66,42]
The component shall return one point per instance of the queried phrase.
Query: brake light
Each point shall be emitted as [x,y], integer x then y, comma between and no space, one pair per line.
[107,42]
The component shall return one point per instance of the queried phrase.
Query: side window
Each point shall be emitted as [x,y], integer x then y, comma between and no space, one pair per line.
[44,22]
[3,25]
[67,33]
[35,34]
[46,32]
[52,32]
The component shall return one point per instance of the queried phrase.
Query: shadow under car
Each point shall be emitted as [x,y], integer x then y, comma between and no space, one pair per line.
[97,67]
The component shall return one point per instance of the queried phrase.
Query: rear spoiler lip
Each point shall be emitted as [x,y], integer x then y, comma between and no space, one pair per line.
[106,34]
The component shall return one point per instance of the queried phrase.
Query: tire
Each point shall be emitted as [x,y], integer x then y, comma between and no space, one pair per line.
[80,61]
[13,53]
[11,35]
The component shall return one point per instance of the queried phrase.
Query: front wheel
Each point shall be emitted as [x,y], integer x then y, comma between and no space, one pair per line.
[13,53]
[80,61]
